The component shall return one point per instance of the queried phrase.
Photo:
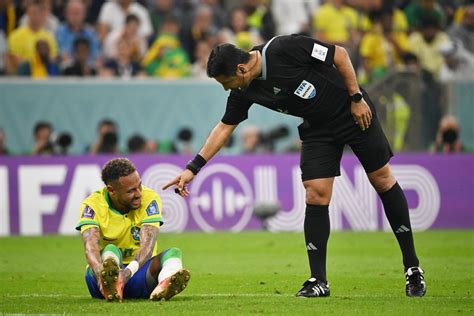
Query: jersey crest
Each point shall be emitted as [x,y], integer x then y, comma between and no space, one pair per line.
[305,90]
[135,231]
[152,209]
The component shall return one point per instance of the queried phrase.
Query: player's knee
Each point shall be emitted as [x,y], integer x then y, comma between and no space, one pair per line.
[112,250]
[111,247]
[172,252]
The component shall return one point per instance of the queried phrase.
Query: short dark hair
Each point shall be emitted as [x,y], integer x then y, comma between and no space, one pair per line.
[429,21]
[106,122]
[40,125]
[116,168]
[224,59]
[136,143]
[81,41]
[132,17]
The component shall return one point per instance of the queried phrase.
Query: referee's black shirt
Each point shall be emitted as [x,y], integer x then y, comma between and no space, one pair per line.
[298,78]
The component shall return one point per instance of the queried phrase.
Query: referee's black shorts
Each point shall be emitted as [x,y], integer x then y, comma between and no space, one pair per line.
[323,144]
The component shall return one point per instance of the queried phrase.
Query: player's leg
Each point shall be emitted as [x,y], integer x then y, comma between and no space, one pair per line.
[397,212]
[109,281]
[320,163]
[168,270]
[105,285]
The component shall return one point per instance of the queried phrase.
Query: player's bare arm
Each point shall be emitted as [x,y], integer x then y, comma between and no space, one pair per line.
[214,142]
[148,235]
[360,110]
[90,238]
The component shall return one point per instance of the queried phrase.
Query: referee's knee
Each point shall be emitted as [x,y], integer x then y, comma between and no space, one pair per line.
[318,196]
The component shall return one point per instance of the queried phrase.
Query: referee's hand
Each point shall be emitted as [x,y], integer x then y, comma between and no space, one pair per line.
[181,182]
[362,114]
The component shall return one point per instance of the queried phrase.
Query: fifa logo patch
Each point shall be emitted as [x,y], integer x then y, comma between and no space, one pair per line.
[152,209]
[305,90]
[88,212]
[135,231]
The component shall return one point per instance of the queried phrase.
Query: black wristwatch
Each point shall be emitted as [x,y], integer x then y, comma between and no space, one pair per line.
[356,97]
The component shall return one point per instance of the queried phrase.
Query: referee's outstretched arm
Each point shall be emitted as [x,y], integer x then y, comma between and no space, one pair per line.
[214,142]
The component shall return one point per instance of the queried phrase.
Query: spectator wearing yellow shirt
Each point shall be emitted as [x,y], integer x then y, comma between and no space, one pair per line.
[336,23]
[239,33]
[400,21]
[382,47]
[427,44]
[166,58]
[22,42]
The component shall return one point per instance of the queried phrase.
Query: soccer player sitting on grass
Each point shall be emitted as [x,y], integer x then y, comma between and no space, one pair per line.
[119,226]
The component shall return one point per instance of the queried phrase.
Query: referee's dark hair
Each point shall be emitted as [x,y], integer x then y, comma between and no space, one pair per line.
[116,168]
[224,59]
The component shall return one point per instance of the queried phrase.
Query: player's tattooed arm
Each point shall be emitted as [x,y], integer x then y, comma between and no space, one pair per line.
[148,235]
[90,238]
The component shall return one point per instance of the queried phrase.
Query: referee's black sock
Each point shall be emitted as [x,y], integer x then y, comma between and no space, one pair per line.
[316,233]
[396,210]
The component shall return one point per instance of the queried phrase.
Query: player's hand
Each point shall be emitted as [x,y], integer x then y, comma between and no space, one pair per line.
[181,182]
[362,114]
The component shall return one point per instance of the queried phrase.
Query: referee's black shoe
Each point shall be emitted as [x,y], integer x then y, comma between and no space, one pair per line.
[415,282]
[314,288]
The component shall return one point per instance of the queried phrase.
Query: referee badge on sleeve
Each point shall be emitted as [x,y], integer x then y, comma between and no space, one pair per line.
[319,52]
[152,209]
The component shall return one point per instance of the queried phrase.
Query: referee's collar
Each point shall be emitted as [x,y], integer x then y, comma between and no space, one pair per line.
[264,60]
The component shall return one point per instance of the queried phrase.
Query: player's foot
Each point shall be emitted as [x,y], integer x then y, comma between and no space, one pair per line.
[110,284]
[314,288]
[415,282]
[171,286]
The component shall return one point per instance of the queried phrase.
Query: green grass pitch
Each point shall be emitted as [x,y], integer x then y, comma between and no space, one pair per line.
[251,273]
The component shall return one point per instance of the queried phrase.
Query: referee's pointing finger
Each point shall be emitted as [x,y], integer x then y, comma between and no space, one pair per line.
[172,182]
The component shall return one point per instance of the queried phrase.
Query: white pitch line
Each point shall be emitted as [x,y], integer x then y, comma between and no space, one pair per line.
[238,295]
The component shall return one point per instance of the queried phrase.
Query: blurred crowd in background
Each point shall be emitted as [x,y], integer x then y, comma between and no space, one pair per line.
[172,39]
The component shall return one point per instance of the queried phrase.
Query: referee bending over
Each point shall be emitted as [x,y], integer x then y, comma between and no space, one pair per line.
[300,76]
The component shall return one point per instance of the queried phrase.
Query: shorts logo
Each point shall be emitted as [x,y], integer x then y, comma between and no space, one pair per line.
[88,212]
[319,52]
[305,90]
[152,209]
[135,231]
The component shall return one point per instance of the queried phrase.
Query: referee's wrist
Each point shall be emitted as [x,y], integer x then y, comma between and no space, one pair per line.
[196,164]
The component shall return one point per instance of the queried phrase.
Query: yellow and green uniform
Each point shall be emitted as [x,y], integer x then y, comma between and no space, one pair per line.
[121,230]
[22,42]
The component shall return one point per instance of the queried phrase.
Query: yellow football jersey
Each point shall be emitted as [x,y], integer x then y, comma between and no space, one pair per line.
[122,230]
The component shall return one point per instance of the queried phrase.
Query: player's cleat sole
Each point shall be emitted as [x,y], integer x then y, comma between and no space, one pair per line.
[108,277]
[171,286]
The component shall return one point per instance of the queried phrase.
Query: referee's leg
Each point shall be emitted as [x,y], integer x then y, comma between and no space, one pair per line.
[316,224]
[396,210]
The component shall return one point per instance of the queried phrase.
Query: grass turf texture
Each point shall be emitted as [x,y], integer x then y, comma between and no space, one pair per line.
[251,273]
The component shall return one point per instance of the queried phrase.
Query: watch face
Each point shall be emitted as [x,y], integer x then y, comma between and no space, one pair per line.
[356,97]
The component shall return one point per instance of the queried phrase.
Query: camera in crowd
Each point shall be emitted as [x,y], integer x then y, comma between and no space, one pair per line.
[61,143]
[47,142]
